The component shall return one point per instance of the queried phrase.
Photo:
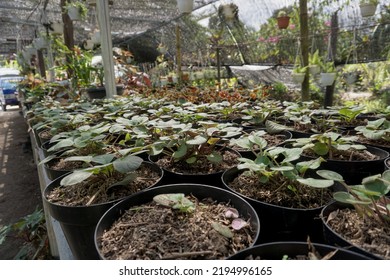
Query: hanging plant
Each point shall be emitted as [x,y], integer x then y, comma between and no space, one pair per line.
[368,7]
[328,74]
[314,63]
[76,10]
[185,6]
[283,20]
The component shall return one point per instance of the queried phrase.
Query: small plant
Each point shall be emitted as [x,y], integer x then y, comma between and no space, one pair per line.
[328,67]
[376,130]
[275,168]
[175,201]
[104,177]
[315,59]
[81,7]
[373,2]
[369,199]
[192,146]
[32,230]
[330,145]
[350,114]
[282,13]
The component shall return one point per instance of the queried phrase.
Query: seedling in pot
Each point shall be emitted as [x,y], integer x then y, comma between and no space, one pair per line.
[105,172]
[369,199]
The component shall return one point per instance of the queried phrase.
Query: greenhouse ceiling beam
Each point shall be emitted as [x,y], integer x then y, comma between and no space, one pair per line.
[18,21]
[13,8]
[125,42]
[138,19]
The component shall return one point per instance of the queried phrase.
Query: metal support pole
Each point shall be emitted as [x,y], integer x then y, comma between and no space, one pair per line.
[178,53]
[106,45]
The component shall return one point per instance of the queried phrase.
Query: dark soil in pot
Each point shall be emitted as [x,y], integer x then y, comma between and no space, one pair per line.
[353,165]
[201,172]
[98,189]
[285,214]
[140,228]
[296,251]
[58,166]
[344,227]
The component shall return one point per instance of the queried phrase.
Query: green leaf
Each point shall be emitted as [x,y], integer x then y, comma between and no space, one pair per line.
[127,164]
[321,148]
[222,229]
[75,178]
[242,143]
[330,175]
[191,160]
[316,183]
[86,159]
[215,157]
[126,181]
[283,168]
[303,166]
[181,152]
[292,154]
[345,197]
[61,144]
[273,127]
[261,142]
[198,140]
[103,159]
[47,159]
[168,199]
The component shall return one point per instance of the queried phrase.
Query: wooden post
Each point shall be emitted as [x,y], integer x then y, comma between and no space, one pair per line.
[106,45]
[329,90]
[41,64]
[68,33]
[304,29]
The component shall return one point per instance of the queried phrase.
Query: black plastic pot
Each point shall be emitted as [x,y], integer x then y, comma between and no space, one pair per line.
[200,191]
[246,124]
[79,222]
[333,238]
[280,223]
[53,174]
[300,134]
[354,171]
[213,179]
[277,250]
[96,93]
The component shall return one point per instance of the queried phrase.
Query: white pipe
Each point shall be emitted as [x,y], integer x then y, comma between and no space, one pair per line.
[106,45]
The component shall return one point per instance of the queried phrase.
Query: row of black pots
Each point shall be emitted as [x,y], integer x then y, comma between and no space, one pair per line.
[278,223]
[84,226]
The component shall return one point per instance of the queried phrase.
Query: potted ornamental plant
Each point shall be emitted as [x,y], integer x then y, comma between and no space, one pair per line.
[76,10]
[328,73]
[342,154]
[185,6]
[283,19]
[368,7]
[359,219]
[286,195]
[78,199]
[177,222]
[314,63]
[194,155]
[299,73]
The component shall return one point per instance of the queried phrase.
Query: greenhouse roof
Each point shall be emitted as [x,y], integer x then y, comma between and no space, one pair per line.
[23,20]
